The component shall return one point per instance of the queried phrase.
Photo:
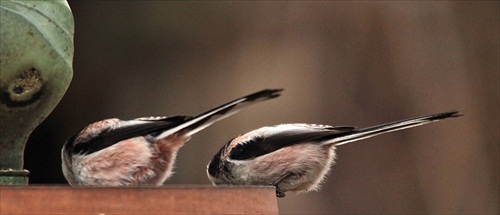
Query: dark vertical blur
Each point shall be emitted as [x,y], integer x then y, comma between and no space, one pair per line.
[355,63]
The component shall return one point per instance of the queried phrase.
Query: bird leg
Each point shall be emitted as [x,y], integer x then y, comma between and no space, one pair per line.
[280,193]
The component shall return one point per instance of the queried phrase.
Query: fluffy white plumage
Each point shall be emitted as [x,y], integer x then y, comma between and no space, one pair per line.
[142,151]
[293,157]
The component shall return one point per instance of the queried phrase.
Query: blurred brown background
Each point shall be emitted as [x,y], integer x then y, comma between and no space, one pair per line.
[354,63]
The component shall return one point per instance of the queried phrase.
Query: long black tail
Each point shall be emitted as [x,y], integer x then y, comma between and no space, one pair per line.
[206,119]
[390,127]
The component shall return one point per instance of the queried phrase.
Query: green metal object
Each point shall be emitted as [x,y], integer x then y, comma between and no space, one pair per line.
[14,177]
[36,57]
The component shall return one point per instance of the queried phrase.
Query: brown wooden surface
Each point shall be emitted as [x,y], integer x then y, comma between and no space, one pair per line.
[165,200]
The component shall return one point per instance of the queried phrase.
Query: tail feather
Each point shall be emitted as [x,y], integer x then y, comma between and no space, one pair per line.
[390,127]
[206,119]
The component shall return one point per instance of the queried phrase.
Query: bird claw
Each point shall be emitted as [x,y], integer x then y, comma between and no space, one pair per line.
[279,193]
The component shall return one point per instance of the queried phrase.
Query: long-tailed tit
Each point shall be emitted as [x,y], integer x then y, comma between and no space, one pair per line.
[293,157]
[142,151]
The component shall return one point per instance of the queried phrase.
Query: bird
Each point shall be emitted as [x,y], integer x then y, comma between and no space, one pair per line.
[142,151]
[293,157]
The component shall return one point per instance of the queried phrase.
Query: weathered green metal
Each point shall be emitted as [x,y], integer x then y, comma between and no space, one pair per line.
[14,177]
[36,57]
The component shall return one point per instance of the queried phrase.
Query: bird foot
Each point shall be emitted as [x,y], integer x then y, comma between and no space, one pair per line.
[279,193]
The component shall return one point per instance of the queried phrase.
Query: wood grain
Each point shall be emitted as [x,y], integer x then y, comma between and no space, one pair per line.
[165,200]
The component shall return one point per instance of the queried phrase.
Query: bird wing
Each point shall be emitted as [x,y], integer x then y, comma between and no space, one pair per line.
[264,144]
[302,133]
[126,130]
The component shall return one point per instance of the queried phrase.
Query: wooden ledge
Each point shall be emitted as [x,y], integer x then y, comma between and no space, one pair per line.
[140,200]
